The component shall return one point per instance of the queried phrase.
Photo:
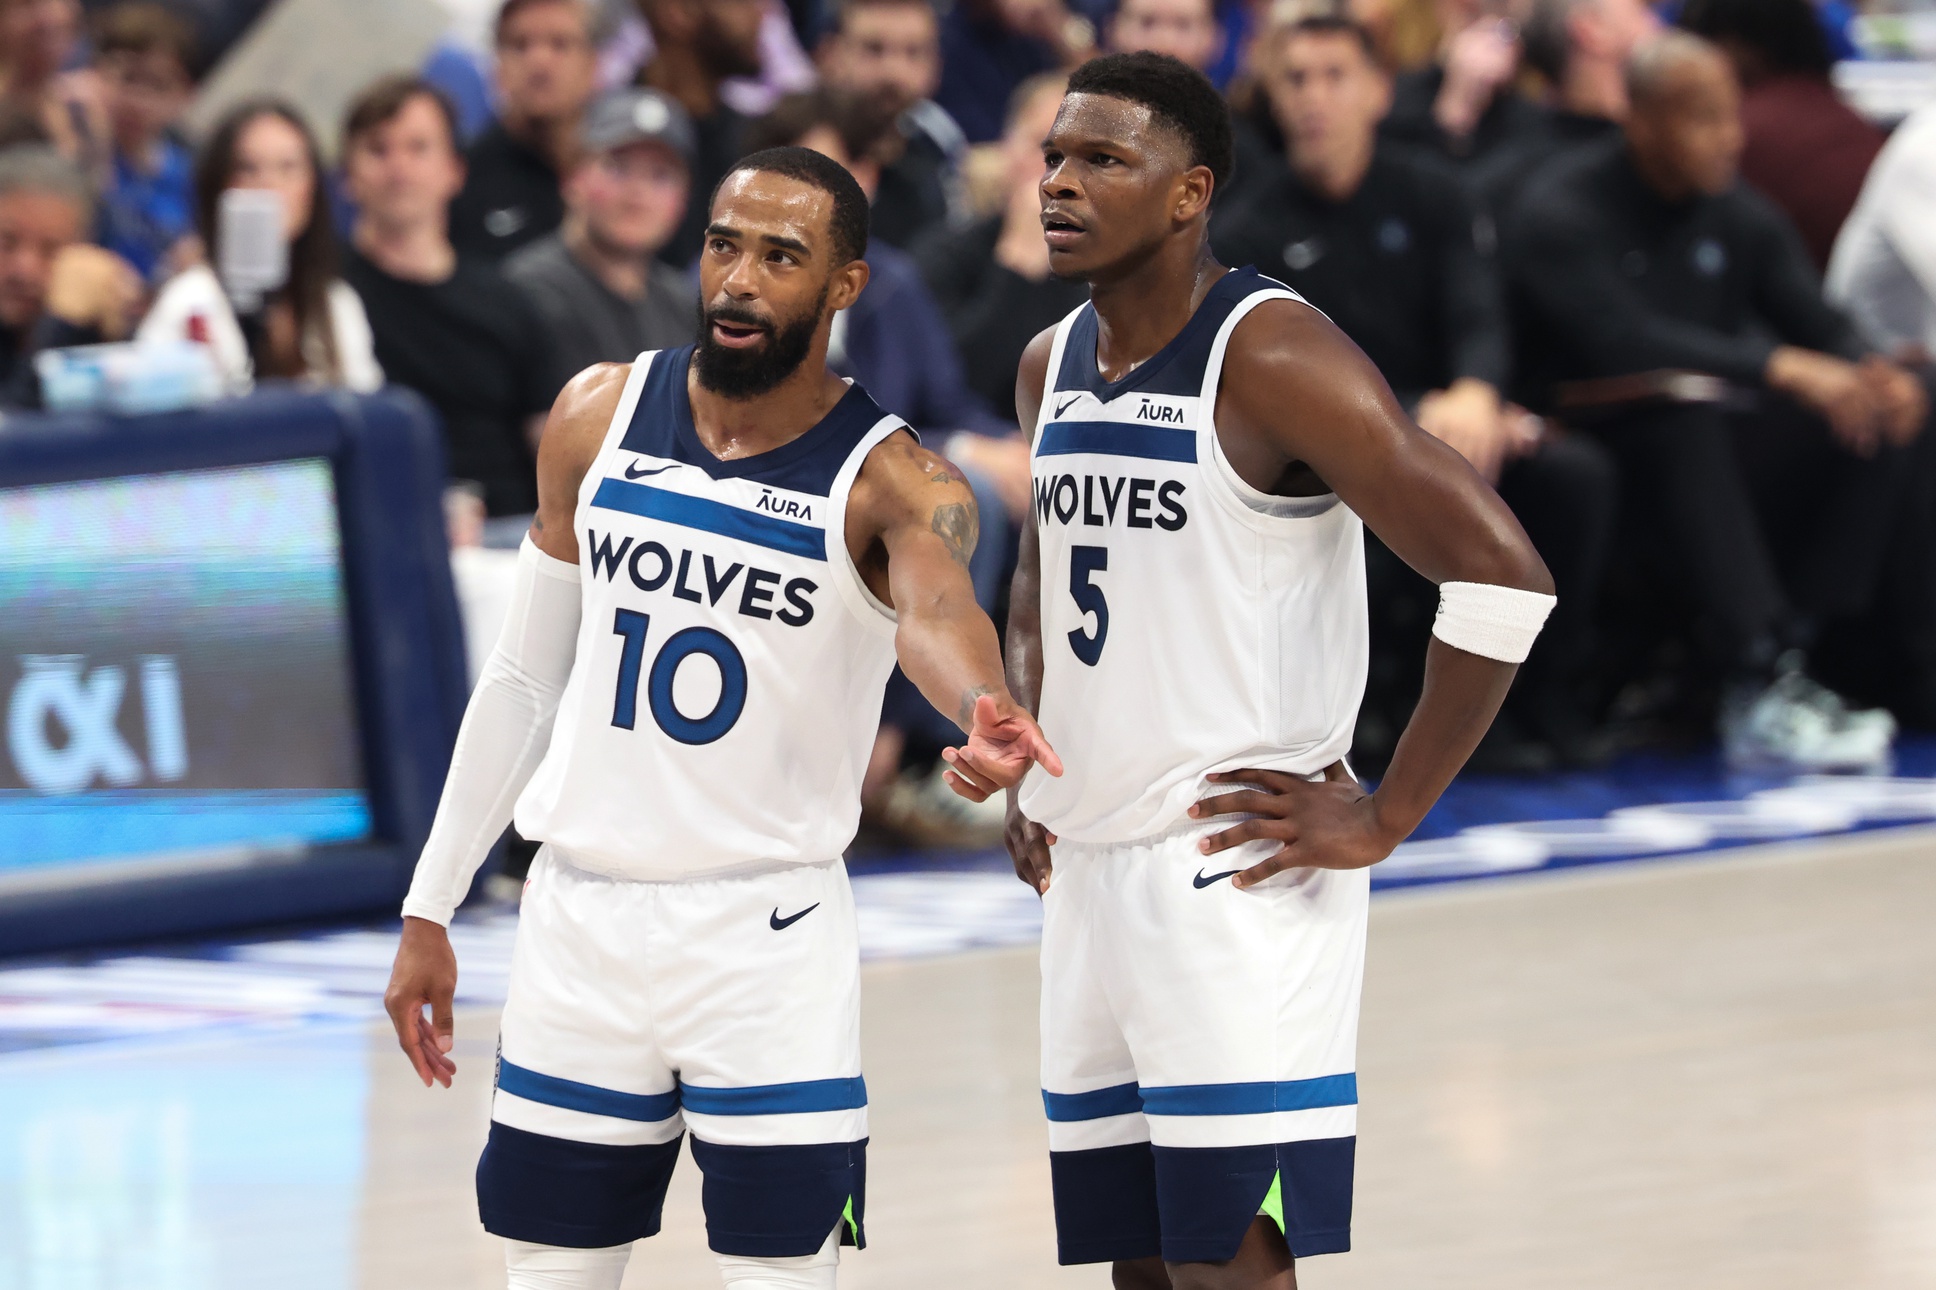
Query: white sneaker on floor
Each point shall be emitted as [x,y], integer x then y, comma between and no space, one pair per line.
[1797,722]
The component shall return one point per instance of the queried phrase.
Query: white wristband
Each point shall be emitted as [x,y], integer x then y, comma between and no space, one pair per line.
[1493,622]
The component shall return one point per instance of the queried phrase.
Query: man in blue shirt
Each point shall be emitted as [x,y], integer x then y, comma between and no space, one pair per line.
[145,56]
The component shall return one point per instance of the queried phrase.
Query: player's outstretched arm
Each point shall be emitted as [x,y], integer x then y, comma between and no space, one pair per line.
[507,726]
[1297,395]
[1028,842]
[922,513]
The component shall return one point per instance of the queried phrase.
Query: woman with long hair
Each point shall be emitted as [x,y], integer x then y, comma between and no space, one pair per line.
[312,329]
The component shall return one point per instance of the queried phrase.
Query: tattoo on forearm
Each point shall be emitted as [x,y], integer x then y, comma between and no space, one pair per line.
[966,718]
[956,524]
[537,522]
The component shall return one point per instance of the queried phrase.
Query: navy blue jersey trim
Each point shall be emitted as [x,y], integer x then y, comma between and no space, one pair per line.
[777,1099]
[1251,1099]
[1175,369]
[661,426]
[711,516]
[1097,1104]
[1116,439]
[647,1108]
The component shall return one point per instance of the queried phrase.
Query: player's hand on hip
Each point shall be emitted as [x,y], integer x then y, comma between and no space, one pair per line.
[425,973]
[1003,742]
[1330,823]
[1028,846]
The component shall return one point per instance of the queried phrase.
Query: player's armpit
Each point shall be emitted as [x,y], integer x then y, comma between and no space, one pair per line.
[573,434]
[1295,389]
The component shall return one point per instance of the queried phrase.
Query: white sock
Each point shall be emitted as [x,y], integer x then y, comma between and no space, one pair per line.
[804,1272]
[556,1267]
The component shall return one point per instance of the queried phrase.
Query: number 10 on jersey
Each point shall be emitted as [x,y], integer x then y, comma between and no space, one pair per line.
[680,646]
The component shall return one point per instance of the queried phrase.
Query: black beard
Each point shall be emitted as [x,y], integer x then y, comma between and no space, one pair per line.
[748,373]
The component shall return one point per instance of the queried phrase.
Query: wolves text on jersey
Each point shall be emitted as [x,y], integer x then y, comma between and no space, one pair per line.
[1099,499]
[702,579]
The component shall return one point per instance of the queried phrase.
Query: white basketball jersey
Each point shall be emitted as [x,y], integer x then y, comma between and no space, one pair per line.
[727,685]
[1190,623]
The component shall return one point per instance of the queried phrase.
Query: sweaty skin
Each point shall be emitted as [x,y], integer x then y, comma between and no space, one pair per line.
[911,523]
[1300,411]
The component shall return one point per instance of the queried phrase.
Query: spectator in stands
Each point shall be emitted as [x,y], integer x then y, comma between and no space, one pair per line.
[698,46]
[890,51]
[603,295]
[1883,272]
[452,329]
[1184,29]
[313,328]
[55,289]
[1383,239]
[1581,48]
[1644,255]
[145,57]
[547,71]
[989,47]
[992,278]
[1807,151]
[895,342]
[1464,104]
[40,99]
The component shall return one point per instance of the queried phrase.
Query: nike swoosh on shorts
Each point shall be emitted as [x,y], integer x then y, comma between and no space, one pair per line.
[781,924]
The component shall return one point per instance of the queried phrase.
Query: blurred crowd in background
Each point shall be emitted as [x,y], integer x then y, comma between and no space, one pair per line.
[1643,266]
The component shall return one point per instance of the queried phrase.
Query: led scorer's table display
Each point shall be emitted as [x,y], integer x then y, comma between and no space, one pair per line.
[175,669]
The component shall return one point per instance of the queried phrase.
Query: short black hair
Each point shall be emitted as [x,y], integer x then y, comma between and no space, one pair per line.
[849,222]
[380,102]
[1786,34]
[1335,24]
[1176,94]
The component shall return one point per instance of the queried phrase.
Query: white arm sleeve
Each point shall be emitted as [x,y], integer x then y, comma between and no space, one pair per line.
[507,728]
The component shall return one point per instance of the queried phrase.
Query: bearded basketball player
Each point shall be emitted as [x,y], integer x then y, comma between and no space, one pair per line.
[733,546]
[1188,622]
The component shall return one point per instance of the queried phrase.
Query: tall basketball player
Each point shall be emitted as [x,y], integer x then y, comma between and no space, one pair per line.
[1189,622]
[732,548]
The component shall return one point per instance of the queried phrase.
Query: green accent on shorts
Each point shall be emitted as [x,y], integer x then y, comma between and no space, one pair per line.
[853,1228]
[1273,1206]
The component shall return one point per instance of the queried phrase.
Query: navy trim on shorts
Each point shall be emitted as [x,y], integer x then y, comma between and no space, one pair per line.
[1259,1098]
[1096,1104]
[582,1195]
[781,1202]
[1194,1204]
[798,1098]
[551,1090]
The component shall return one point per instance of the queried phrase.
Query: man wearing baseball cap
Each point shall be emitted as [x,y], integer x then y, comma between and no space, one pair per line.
[604,296]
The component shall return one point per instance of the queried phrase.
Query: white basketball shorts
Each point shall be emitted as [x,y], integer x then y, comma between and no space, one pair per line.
[637,1010]
[1199,1048]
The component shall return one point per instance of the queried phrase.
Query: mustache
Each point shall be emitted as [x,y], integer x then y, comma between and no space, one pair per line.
[738,316]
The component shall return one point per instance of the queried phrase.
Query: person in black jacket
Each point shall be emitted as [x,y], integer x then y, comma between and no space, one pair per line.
[547,71]
[1383,240]
[1644,255]
[992,278]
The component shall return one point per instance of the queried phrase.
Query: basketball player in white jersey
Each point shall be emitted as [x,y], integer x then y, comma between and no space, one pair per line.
[1189,622]
[732,548]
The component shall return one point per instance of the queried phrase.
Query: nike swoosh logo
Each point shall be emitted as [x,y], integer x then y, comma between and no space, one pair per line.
[1068,403]
[633,472]
[781,924]
[1199,882]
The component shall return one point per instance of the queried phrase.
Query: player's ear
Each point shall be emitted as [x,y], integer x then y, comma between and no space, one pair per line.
[1193,189]
[849,280]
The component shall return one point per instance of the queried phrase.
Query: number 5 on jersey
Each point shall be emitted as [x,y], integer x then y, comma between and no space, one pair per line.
[682,645]
[1084,563]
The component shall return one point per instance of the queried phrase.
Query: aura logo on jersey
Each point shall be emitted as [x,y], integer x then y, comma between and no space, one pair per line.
[702,579]
[63,724]
[1100,499]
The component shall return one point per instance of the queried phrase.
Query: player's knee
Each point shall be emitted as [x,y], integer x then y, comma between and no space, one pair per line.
[531,1266]
[806,1272]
